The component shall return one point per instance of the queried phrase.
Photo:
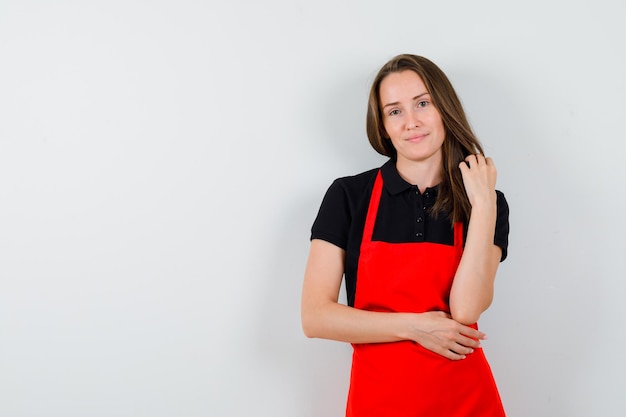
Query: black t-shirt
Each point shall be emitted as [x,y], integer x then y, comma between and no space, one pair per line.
[403,216]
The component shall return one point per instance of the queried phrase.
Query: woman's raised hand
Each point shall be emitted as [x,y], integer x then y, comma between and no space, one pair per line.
[479,177]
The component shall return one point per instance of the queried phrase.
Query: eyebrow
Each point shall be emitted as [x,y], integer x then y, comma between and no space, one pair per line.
[395,103]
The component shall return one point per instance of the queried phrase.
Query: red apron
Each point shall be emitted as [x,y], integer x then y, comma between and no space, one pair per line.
[403,379]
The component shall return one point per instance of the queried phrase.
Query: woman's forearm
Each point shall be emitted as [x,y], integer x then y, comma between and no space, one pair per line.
[324,317]
[472,289]
[346,324]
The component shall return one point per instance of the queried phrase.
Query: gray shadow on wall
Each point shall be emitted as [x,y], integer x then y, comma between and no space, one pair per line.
[534,324]
[343,119]
[317,370]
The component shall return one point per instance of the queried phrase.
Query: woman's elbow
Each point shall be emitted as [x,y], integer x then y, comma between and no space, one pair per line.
[308,329]
[465,317]
[467,309]
[467,314]
[310,324]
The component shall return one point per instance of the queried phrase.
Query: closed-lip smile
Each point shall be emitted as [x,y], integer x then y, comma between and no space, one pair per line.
[417,138]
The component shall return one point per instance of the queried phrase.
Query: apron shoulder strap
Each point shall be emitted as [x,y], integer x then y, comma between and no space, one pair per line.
[372,210]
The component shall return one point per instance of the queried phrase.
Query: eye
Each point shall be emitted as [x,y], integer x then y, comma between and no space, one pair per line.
[394,112]
[422,103]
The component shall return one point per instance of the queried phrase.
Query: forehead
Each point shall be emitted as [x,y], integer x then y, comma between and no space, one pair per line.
[400,86]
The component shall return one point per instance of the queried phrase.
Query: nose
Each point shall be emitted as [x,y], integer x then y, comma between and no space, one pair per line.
[412,121]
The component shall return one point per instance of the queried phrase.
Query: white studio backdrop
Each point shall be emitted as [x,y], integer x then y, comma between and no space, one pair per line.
[161,164]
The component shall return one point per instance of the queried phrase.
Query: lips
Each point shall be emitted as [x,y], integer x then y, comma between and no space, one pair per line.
[416,138]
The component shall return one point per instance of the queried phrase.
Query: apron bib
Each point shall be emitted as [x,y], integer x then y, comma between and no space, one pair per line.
[403,379]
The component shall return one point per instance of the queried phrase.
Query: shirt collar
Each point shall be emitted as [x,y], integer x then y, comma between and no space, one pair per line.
[393,182]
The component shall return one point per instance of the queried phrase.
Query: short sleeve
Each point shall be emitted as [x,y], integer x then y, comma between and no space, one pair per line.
[333,220]
[501,237]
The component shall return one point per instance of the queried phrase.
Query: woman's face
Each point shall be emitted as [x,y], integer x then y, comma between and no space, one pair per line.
[411,121]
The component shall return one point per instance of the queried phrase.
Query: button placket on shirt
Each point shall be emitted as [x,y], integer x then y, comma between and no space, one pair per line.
[420,214]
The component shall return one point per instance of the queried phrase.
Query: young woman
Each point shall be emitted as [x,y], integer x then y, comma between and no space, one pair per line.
[419,241]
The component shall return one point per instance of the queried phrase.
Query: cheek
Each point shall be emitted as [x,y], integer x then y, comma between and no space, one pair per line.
[437,121]
[437,125]
[391,128]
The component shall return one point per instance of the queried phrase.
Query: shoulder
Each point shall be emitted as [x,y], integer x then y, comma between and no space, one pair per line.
[355,184]
[348,193]
[342,206]
[502,224]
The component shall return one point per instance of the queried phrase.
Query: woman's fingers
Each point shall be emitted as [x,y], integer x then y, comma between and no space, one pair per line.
[441,334]
[471,159]
[479,177]
[448,350]
[478,159]
[468,342]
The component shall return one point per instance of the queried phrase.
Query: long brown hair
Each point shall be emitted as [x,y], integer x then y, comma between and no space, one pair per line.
[460,140]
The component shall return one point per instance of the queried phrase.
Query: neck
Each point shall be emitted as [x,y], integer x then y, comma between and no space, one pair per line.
[424,174]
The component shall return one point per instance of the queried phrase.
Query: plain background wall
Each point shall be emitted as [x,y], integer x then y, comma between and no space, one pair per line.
[161,163]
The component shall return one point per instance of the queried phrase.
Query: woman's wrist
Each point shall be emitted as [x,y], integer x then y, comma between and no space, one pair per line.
[408,326]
